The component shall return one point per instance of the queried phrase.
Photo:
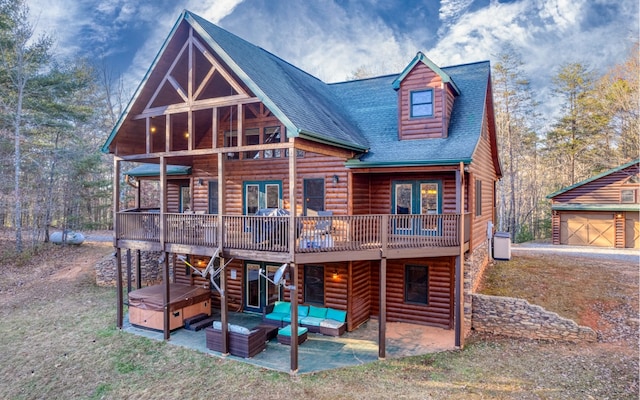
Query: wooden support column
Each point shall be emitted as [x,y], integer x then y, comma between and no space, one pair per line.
[116,208]
[148,136]
[129,269]
[224,313]
[163,238]
[119,287]
[139,269]
[382,315]
[292,254]
[221,202]
[167,298]
[459,266]
[220,234]
[294,319]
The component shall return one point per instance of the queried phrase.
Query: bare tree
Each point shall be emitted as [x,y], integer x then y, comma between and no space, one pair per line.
[22,59]
[515,116]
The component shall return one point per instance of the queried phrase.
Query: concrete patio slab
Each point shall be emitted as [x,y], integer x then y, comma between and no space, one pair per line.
[319,352]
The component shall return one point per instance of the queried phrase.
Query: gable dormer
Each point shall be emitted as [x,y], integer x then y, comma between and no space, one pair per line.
[425,100]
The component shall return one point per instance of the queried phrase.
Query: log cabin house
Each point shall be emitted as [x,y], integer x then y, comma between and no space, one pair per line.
[602,211]
[376,193]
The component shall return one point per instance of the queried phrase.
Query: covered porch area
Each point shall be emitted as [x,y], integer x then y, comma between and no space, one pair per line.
[319,352]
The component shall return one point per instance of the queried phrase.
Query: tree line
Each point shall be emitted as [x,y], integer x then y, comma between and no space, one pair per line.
[594,128]
[56,113]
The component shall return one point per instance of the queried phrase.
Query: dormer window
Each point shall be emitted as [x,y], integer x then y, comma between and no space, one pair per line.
[422,103]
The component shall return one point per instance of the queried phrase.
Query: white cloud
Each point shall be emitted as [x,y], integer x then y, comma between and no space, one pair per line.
[561,14]
[215,11]
[450,11]
[324,39]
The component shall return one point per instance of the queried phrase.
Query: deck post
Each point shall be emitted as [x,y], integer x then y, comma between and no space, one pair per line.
[167,298]
[116,208]
[138,269]
[129,268]
[294,319]
[292,254]
[224,312]
[119,300]
[382,317]
[163,236]
[459,267]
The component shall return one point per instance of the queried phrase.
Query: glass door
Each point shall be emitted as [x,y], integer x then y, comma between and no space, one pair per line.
[259,292]
[416,198]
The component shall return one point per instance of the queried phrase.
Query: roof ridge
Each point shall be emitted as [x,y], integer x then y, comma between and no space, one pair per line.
[270,53]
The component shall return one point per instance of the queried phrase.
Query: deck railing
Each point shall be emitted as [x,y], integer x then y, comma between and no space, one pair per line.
[313,234]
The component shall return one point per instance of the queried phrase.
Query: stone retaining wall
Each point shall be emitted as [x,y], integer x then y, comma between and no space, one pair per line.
[475,263]
[151,269]
[514,317]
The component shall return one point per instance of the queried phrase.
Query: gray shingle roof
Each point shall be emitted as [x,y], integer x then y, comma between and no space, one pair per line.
[303,99]
[359,115]
[373,104]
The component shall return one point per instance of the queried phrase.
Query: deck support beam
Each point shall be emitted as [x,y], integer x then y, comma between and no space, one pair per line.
[163,237]
[224,312]
[116,208]
[119,287]
[292,257]
[382,317]
[459,268]
[294,319]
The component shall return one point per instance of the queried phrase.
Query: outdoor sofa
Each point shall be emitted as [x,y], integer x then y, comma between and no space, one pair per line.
[242,342]
[324,320]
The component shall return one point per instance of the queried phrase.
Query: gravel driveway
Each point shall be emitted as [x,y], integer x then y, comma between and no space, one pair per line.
[625,255]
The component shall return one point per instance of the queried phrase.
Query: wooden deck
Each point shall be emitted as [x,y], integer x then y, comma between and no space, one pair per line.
[317,239]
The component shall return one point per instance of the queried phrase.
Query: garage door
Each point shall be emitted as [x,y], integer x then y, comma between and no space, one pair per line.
[587,229]
[632,230]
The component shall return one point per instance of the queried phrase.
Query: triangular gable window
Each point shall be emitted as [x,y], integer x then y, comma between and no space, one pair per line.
[210,80]
[167,95]
[217,86]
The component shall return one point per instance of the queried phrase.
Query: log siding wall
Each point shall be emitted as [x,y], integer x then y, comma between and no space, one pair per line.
[605,190]
[422,77]
[439,310]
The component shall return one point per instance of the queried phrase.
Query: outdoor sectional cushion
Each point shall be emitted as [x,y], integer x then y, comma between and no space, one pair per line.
[302,313]
[317,312]
[331,323]
[281,310]
[336,315]
[315,316]
[217,325]
[286,331]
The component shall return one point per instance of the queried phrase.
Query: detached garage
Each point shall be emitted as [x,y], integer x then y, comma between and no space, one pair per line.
[602,211]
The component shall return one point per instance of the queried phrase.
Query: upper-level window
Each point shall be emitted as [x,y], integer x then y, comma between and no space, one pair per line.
[422,103]
[628,196]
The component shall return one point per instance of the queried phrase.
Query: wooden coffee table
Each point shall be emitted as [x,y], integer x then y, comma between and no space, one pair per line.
[270,331]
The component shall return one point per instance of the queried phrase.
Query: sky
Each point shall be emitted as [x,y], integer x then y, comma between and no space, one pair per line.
[333,38]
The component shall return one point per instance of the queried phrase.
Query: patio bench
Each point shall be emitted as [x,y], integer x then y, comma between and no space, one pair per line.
[242,342]
[324,320]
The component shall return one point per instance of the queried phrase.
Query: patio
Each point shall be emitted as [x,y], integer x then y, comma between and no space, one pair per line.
[321,352]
